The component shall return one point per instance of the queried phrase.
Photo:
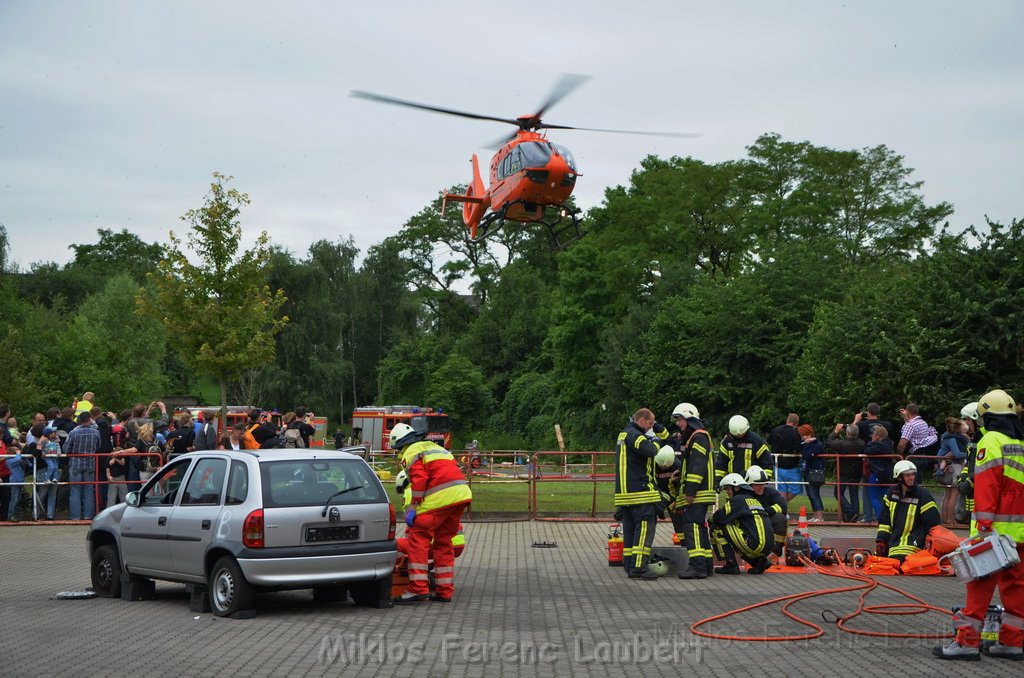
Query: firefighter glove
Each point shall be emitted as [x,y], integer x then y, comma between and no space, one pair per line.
[984,526]
[657,428]
[881,548]
[410,517]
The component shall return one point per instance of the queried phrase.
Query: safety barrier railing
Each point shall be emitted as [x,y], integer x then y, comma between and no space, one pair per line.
[41,490]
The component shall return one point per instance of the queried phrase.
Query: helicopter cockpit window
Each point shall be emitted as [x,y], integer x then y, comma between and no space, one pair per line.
[535,153]
[567,154]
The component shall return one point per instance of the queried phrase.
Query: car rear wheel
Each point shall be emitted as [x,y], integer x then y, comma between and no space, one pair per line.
[106,572]
[375,593]
[229,591]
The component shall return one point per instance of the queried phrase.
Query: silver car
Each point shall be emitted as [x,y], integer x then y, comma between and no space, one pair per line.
[234,522]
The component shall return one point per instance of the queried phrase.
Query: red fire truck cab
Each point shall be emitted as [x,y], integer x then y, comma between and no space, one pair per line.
[374,425]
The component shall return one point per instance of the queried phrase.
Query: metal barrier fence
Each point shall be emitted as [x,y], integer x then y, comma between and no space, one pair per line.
[98,485]
[518,484]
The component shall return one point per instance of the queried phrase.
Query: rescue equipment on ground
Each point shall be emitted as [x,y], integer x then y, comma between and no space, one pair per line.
[881,566]
[798,548]
[615,545]
[658,567]
[922,563]
[857,557]
[976,557]
[940,541]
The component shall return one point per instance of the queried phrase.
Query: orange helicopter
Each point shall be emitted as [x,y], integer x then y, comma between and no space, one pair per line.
[531,178]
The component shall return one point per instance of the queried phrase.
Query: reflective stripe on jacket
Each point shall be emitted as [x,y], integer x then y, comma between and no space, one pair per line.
[999,484]
[435,479]
[635,471]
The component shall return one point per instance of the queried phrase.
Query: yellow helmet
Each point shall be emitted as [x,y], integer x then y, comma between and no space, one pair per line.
[997,401]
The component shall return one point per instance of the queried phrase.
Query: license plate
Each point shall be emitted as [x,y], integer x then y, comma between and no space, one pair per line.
[333,533]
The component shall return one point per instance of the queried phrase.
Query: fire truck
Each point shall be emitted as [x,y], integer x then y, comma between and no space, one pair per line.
[374,425]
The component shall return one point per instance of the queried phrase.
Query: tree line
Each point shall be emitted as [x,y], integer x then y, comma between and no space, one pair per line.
[797,278]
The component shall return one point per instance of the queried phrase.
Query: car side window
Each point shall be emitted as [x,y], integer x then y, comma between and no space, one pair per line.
[163,488]
[206,482]
[238,484]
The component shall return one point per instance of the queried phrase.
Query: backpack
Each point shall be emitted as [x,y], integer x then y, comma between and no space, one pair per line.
[293,438]
[248,441]
[272,443]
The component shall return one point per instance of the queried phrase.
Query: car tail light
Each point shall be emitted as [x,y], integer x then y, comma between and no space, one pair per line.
[252,530]
[391,521]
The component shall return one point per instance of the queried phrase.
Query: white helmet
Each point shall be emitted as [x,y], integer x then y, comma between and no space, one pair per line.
[666,457]
[658,567]
[399,432]
[738,425]
[969,411]
[756,475]
[401,481]
[903,466]
[734,480]
[686,410]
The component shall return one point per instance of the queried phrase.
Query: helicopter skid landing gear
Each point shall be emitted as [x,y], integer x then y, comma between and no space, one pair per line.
[559,222]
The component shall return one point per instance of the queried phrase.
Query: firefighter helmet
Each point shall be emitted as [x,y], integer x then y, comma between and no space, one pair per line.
[996,402]
[400,436]
[685,410]
[903,466]
[969,411]
[401,481]
[738,425]
[666,457]
[756,476]
[658,567]
[734,480]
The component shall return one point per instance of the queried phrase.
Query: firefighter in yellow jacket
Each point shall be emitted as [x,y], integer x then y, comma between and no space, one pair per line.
[403,488]
[998,508]
[439,495]
[636,490]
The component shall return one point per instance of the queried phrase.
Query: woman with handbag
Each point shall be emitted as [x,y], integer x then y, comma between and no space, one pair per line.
[952,454]
[814,469]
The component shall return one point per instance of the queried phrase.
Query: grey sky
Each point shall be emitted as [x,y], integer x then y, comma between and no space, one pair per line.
[115,114]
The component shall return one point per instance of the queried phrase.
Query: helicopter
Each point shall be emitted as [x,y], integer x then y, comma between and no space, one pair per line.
[531,178]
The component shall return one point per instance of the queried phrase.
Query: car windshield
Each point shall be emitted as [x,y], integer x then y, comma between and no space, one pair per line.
[309,482]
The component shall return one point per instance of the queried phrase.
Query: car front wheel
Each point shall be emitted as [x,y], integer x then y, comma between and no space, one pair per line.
[106,572]
[229,591]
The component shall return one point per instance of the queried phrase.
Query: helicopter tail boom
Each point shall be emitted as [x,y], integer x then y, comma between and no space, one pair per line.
[476,200]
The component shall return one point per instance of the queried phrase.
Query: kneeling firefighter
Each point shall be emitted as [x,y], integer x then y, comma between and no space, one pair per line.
[908,513]
[439,495]
[741,526]
[773,502]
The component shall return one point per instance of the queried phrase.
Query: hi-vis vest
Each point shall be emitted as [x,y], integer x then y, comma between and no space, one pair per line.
[999,484]
[434,477]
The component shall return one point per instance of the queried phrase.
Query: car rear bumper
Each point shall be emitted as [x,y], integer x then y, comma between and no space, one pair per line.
[311,566]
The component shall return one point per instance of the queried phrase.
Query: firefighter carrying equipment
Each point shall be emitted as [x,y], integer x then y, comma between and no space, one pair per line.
[975,558]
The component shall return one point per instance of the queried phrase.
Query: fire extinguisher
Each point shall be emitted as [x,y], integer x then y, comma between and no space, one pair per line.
[615,545]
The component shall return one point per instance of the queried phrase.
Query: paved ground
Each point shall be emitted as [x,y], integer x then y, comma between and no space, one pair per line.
[518,610]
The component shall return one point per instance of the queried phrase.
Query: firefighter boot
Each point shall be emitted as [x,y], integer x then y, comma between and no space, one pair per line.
[954,650]
[728,568]
[759,565]
[642,573]
[1004,652]
[696,570]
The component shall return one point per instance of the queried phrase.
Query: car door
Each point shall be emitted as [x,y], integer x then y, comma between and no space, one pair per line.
[195,517]
[144,527]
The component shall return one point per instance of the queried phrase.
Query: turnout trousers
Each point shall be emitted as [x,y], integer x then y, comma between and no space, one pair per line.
[437,527]
[637,535]
[969,620]
[697,538]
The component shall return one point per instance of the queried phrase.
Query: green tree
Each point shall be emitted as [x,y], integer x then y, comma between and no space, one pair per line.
[458,386]
[219,313]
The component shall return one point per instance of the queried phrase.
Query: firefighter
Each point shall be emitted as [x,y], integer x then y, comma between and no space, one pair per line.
[742,526]
[908,513]
[773,502]
[965,481]
[741,449]
[439,495]
[670,465]
[636,490]
[698,491]
[998,508]
[403,487]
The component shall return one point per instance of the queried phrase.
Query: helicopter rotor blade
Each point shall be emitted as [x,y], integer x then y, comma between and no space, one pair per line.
[565,85]
[681,135]
[436,109]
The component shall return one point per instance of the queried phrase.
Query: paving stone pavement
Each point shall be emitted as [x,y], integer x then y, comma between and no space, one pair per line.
[518,610]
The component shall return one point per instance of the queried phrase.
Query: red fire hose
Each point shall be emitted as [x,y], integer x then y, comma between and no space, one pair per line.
[865,583]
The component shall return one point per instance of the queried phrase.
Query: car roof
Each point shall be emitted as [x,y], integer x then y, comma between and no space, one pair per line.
[290,454]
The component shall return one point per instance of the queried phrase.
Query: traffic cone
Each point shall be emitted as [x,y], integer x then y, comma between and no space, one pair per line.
[801,525]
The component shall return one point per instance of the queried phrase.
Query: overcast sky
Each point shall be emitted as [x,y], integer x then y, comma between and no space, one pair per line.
[115,114]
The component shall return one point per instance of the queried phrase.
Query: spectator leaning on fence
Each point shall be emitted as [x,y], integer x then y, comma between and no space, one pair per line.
[80,447]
